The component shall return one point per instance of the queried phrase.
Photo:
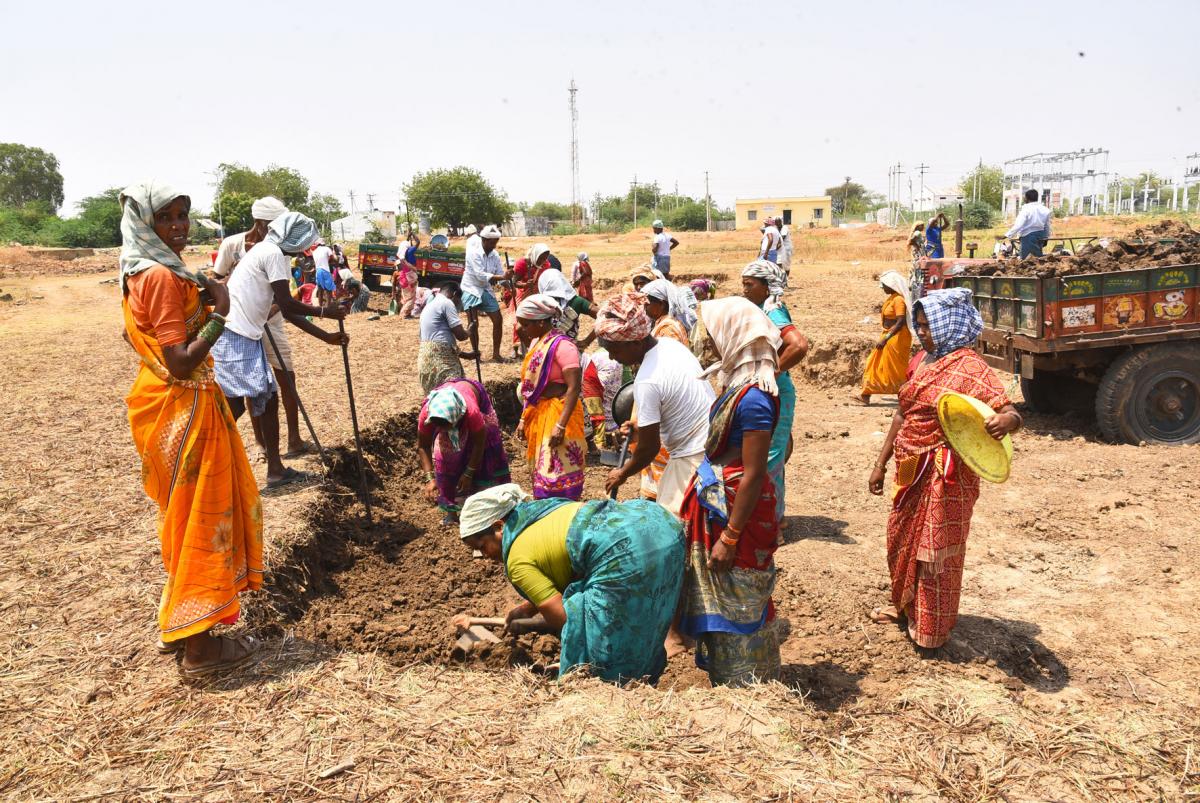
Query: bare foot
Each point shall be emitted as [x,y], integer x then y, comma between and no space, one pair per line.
[675,646]
[865,401]
[885,616]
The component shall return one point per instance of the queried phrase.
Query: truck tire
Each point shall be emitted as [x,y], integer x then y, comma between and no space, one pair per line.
[1152,395]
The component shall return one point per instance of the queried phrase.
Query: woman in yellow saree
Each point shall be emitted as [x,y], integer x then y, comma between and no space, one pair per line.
[193,462]
[888,364]
[552,418]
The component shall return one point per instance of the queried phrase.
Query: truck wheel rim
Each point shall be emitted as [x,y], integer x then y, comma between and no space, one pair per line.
[1169,409]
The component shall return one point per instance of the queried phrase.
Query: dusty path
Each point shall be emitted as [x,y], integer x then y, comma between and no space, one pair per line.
[1070,675]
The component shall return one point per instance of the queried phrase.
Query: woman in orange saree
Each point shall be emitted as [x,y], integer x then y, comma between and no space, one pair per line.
[888,362]
[193,462]
[935,492]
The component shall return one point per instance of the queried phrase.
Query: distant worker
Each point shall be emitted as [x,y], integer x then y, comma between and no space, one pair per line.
[661,250]
[326,286]
[440,332]
[484,269]
[933,236]
[1003,248]
[916,241]
[768,249]
[1032,225]
[785,248]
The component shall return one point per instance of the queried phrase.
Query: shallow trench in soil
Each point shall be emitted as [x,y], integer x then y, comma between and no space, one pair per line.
[393,586]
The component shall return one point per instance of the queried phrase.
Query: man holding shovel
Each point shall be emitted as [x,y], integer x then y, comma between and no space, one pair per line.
[670,399]
[239,357]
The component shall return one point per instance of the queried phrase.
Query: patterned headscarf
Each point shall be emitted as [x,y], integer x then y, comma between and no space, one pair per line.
[448,405]
[623,319]
[538,307]
[552,283]
[746,341]
[954,322]
[707,285]
[488,506]
[292,232]
[644,272]
[141,247]
[669,294]
[774,277]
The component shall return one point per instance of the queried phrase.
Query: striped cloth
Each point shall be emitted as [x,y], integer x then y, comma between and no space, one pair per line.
[448,405]
[242,370]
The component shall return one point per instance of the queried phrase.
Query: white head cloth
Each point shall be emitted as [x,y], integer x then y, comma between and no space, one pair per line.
[746,340]
[490,233]
[538,307]
[488,506]
[554,284]
[267,208]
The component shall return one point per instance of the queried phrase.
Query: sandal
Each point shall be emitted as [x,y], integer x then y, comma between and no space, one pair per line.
[859,400]
[289,476]
[229,658]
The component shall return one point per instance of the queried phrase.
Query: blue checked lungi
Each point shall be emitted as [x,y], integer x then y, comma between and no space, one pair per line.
[242,370]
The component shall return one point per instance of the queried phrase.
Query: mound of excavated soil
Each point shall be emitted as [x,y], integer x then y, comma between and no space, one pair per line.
[836,362]
[1143,249]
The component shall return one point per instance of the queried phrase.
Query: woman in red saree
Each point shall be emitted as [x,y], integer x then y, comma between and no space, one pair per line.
[728,511]
[526,272]
[935,492]
[193,464]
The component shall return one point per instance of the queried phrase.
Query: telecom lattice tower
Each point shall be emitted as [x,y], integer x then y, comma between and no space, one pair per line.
[576,198]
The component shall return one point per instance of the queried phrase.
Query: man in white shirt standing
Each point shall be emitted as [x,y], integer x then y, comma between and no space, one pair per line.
[768,249]
[483,269]
[1032,225]
[660,251]
[240,361]
[229,254]
[671,399]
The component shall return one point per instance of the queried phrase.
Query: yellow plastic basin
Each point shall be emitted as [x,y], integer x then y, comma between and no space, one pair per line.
[962,419]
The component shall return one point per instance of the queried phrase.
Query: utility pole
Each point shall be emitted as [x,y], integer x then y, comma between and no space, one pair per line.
[635,199]
[922,167]
[370,202]
[1146,195]
[707,205]
[352,209]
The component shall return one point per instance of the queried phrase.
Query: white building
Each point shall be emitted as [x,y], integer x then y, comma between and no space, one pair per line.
[935,198]
[355,227]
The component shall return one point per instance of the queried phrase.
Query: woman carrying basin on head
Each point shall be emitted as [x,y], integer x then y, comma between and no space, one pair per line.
[605,574]
[935,492]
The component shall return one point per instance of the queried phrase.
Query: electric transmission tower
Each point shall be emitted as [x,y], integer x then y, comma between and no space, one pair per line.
[575,196]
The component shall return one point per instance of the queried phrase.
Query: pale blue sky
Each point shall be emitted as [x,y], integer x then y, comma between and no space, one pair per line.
[121,92]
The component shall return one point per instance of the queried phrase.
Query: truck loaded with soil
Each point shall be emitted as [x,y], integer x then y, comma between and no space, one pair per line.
[1113,327]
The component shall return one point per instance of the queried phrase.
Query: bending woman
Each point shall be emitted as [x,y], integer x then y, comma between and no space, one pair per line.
[193,462]
[763,283]
[888,363]
[605,574]
[729,508]
[459,444]
[935,492]
[552,418]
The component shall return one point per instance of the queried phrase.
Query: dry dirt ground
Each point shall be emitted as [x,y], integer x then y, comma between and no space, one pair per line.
[1071,674]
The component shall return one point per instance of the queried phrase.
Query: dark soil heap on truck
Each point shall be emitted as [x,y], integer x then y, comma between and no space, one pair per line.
[1114,326]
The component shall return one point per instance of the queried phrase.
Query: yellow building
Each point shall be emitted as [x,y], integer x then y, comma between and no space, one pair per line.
[814,211]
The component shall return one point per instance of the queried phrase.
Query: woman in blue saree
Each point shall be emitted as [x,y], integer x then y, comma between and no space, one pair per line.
[605,574]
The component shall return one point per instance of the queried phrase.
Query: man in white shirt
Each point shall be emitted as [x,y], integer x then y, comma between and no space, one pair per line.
[279,353]
[482,270]
[785,249]
[672,404]
[660,251]
[1032,225]
[240,360]
[768,249]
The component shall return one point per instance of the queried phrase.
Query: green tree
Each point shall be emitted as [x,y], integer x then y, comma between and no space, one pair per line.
[29,174]
[549,209]
[284,183]
[100,215]
[324,209]
[690,216]
[234,210]
[849,198]
[986,182]
[457,196]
